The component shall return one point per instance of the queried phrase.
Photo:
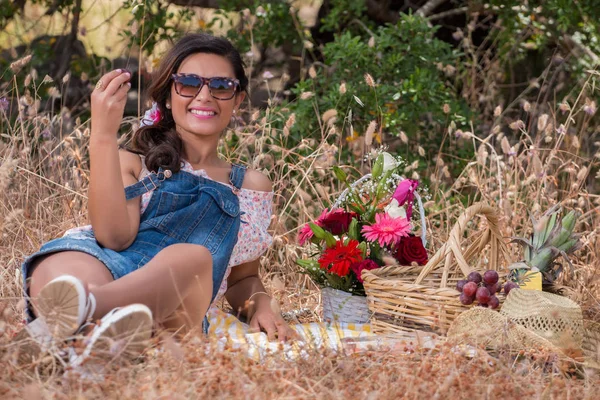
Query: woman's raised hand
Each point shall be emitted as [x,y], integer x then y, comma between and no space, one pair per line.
[108,103]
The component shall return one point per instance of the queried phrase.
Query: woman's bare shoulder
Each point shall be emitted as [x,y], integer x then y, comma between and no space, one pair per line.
[255,180]
[130,162]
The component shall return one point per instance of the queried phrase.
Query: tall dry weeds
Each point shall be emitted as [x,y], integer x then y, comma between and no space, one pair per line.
[43,180]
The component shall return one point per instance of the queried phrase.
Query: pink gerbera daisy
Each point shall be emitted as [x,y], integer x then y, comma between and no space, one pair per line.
[305,235]
[386,230]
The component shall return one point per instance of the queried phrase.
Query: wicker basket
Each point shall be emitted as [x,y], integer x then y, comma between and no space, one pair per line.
[424,298]
[340,306]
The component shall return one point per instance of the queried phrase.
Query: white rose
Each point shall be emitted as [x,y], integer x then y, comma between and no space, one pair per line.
[389,162]
[394,210]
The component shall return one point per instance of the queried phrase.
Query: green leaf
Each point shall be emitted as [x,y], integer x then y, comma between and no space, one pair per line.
[353,232]
[317,230]
[330,240]
[377,168]
[309,263]
[340,174]
[363,247]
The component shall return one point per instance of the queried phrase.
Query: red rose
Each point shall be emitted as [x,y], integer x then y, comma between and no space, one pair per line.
[364,264]
[410,249]
[337,222]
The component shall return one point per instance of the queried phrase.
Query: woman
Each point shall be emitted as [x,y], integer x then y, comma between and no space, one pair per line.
[173,224]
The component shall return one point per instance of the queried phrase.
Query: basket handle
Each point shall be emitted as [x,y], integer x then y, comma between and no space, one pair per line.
[451,249]
[400,178]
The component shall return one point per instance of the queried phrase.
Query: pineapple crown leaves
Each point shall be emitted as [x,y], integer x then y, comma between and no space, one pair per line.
[551,238]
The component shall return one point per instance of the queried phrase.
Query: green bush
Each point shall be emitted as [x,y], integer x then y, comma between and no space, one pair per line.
[410,69]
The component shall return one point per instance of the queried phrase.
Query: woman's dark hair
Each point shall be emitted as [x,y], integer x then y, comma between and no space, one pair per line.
[160,143]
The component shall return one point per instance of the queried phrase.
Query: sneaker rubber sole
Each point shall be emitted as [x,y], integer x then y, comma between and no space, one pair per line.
[124,332]
[62,305]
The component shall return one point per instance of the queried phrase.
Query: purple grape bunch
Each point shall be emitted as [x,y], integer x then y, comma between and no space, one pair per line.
[483,289]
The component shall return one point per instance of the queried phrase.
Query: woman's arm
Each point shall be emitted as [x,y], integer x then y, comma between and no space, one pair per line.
[245,291]
[243,284]
[115,221]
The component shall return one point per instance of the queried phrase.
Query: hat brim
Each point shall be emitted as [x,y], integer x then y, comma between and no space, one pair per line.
[481,326]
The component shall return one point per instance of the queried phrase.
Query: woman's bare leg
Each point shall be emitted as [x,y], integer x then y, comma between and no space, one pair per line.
[176,273]
[182,319]
[81,265]
[177,278]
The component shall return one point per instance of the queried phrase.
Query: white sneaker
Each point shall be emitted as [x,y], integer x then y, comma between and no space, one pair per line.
[64,305]
[123,332]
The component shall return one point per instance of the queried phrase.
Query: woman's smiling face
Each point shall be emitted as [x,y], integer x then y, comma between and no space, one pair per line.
[204,115]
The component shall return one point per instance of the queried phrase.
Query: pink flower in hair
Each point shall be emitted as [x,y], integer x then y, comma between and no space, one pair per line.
[151,116]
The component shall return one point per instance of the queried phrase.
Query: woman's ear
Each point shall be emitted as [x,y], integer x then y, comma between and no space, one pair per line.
[239,99]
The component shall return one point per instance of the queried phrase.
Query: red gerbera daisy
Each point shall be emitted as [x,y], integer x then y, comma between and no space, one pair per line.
[338,259]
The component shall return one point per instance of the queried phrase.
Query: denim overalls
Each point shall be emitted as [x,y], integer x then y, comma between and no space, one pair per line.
[184,208]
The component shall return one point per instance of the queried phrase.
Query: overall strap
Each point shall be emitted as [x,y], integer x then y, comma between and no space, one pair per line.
[151,182]
[237,177]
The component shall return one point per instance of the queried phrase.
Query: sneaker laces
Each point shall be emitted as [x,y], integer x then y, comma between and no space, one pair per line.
[90,307]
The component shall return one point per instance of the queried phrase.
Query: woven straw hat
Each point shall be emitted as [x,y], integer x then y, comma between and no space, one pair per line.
[531,319]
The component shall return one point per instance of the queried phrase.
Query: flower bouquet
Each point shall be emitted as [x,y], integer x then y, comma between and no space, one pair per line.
[367,228]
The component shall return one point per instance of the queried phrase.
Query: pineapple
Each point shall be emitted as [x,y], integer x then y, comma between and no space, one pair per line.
[551,238]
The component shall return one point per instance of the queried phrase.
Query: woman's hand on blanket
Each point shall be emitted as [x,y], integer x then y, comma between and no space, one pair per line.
[267,318]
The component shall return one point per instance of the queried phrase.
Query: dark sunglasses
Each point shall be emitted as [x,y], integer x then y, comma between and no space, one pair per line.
[189,85]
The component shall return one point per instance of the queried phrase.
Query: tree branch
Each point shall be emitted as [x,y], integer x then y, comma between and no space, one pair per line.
[67,51]
[449,13]
[240,5]
[429,7]
[572,43]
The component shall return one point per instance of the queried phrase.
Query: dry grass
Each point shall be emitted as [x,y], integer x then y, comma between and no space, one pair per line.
[43,181]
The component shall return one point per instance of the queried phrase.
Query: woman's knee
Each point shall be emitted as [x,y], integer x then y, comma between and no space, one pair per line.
[83,266]
[190,255]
